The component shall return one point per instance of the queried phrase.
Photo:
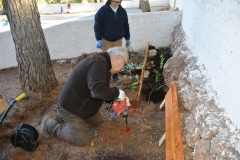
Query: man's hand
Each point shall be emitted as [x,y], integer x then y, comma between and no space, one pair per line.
[122,95]
[99,44]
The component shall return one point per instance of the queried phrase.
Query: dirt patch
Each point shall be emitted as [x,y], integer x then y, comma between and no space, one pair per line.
[111,140]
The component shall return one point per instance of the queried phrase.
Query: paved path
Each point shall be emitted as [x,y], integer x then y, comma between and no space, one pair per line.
[55,19]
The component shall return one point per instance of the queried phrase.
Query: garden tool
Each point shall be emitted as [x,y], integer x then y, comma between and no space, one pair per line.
[10,106]
[125,114]
[25,137]
[119,107]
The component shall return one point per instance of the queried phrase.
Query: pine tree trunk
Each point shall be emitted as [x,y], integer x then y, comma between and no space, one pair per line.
[34,63]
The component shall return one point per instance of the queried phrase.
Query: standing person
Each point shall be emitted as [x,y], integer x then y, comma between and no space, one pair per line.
[110,26]
[83,94]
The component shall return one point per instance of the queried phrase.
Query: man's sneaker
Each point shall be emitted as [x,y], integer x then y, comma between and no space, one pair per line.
[115,79]
[43,129]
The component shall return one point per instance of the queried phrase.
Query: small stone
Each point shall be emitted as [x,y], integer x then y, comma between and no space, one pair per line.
[223,153]
[74,61]
[152,53]
[146,74]
[62,61]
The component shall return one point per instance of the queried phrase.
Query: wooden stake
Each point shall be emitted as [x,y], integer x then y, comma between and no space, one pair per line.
[162,139]
[162,104]
[142,73]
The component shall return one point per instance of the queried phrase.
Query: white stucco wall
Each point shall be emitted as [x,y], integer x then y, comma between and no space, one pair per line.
[212,28]
[71,39]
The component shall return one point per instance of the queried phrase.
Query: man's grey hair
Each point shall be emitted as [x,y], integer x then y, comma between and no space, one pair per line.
[115,51]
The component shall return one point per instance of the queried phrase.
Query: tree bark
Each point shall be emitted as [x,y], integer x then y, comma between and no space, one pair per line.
[34,63]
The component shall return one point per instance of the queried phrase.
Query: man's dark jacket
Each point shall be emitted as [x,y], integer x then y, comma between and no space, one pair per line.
[110,25]
[88,86]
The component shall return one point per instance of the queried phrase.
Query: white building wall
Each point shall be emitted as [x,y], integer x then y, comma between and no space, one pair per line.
[71,39]
[212,28]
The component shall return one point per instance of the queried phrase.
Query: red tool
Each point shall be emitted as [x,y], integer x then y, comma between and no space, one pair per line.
[119,107]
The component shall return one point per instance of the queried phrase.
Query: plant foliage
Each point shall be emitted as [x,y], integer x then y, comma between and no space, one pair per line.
[134,83]
[154,87]
[157,85]
[129,49]
[131,66]
[162,57]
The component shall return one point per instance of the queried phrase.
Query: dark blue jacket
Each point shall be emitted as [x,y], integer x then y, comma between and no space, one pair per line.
[111,26]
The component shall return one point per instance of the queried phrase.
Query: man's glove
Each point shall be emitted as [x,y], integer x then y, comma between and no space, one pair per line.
[128,42]
[122,95]
[99,44]
[128,102]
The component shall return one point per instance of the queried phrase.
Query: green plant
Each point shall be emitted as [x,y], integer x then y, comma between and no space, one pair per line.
[174,4]
[134,83]
[129,48]
[162,57]
[157,75]
[162,60]
[157,85]
[132,66]
[154,87]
